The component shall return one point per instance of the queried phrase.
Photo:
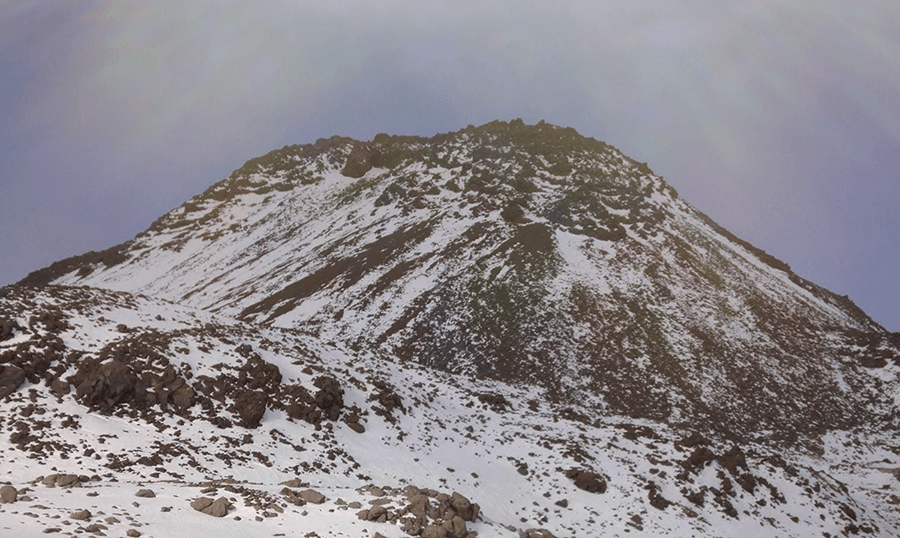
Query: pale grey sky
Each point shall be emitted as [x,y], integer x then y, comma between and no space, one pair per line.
[780,119]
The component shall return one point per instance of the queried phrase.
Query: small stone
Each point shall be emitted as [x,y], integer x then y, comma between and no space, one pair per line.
[145,493]
[132,533]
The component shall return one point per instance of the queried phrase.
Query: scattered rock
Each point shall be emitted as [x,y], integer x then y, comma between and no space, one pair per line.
[251,406]
[463,507]
[376,513]
[103,386]
[434,531]
[145,493]
[693,440]
[59,387]
[81,515]
[456,527]
[8,494]
[132,533]
[655,496]
[312,496]
[536,533]
[732,460]
[587,480]
[698,459]
[217,508]
[11,378]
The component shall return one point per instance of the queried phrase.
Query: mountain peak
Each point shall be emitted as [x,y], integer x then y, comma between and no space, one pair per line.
[488,293]
[520,253]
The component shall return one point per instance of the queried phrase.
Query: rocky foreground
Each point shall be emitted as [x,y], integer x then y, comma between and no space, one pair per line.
[124,415]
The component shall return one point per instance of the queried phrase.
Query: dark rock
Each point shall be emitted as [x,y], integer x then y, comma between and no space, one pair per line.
[145,493]
[201,504]
[587,480]
[693,440]
[497,402]
[59,387]
[11,378]
[419,506]
[183,398]
[251,406]
[8,494]
[656,499]
[106,385]
[698,459]
[732,460]
[357,427]
[8,327]
[536,533]
[330,397]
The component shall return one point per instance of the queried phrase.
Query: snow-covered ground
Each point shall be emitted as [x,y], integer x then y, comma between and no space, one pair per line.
[501,446]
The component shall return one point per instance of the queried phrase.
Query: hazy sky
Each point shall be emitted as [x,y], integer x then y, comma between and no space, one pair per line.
[779,119]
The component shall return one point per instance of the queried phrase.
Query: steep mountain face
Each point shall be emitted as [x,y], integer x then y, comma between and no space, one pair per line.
[522,254]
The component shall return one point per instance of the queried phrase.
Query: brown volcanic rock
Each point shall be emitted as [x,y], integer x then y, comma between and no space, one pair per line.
[11,378]
[587,480]
[106,385]
[251,406]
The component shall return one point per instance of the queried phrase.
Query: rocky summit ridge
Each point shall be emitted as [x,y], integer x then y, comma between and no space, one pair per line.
[523,292]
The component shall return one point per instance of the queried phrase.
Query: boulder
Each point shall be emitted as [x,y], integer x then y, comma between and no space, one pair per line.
[587,480]
[81,515]
[11,378]
[182,398]
[251,406]
[215,508]
[733,459]
[536,533]
[463,507]
[377,512]
[434,531]
[419,506]
[8,494]
[106,385]
[145,493]
[456,527]
[312,496]
[59,387]
[698,459]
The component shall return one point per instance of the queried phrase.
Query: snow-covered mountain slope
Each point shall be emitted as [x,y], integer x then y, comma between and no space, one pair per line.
[525,254]
[124,415]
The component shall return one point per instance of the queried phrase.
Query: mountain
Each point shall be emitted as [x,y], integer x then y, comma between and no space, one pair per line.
[517,313]
[526,254]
